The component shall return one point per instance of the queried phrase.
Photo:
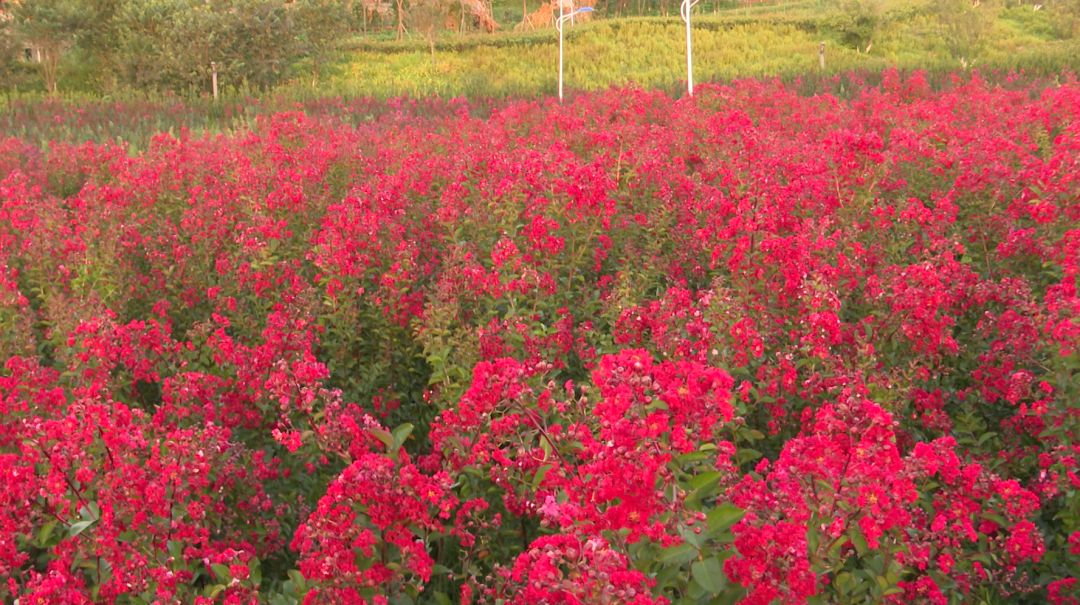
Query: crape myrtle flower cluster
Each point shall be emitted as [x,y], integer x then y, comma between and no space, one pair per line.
[748,347]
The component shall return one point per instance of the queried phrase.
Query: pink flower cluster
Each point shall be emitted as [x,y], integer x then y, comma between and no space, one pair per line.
[747,347]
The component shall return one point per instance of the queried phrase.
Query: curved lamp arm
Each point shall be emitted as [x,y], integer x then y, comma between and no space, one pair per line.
[584,9]
[684,8]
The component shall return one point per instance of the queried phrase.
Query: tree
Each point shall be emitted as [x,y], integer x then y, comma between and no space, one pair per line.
[964,25]
[170,43]
[1065,18]
[10,48]
[51,26]
[257,40]
[98,37]
[320,25]
[427,17]
[858,22]
[143,28]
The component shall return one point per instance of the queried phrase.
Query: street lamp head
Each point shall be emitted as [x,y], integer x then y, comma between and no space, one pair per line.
[559,21]
[584,9]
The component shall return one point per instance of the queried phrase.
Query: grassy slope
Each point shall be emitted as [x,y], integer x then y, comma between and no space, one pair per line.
[761,41]
[769,41]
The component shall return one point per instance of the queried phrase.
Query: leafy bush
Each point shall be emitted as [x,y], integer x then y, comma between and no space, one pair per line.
[12,69]
[1064,18]
[964,26]
[171,43]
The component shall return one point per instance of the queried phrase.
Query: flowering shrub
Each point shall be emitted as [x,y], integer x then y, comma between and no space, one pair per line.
[747,347]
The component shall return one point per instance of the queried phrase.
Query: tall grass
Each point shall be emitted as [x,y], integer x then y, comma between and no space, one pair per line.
[645,52]
[649,52]
[135,119]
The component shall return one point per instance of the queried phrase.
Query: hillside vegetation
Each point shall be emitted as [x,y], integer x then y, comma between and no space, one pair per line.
[310,49]
[649,52]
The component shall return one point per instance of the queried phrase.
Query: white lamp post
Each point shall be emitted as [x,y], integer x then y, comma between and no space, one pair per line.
[684,10]
[558,26]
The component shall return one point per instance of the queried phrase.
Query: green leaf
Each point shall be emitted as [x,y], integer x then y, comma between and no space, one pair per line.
[691,457]
[90,512]
[221,572]
[540,474]
[665,576]
[695,539]
[656,404]
[995,518]
[79,527]
[723,517]
[837,546]
[441,598]
[384,436]
[298,580]
[845,582]
[705,479]
[745,455]
[730,596]
[400,434]
[255,568]
[545,446]
[46,532]
[176,549]
[813,540]
[709,574]
[859,541]
[677,555]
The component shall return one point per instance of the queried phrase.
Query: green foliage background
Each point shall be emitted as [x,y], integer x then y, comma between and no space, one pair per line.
[319,49]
